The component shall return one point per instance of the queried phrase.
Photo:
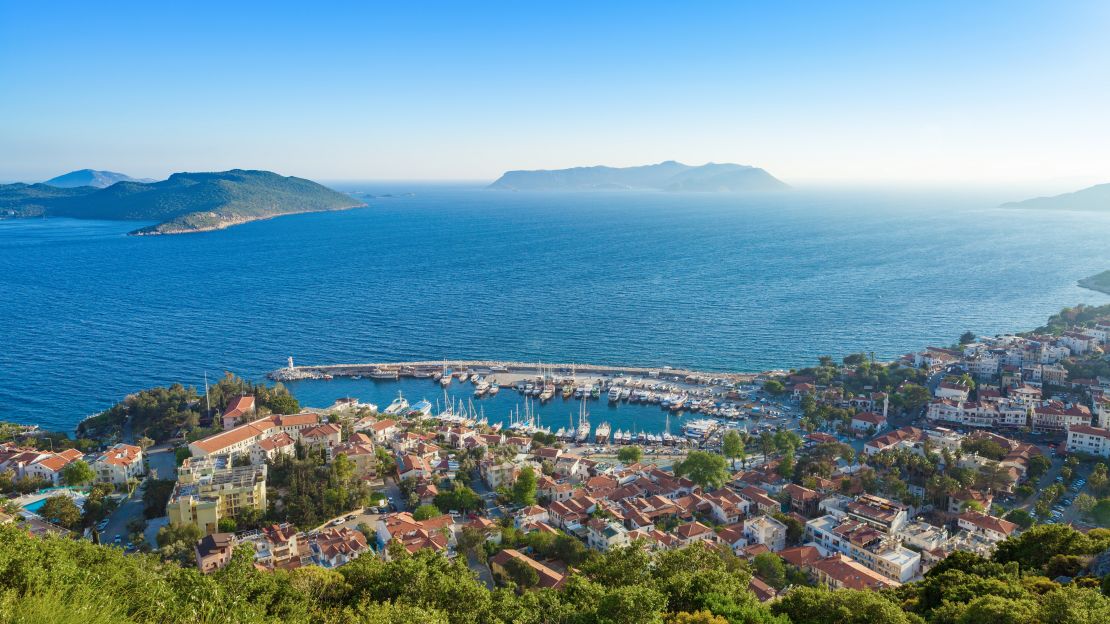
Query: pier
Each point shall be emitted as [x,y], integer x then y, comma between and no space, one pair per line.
[387,370]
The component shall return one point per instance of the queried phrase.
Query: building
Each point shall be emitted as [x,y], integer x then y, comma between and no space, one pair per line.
[360,450]
[546,577]
[240,408]
[434,533]
[604,535]
[209,489]
[270,449]
[325,436]
[118,464]
[885,515]
[865,544]
[334,547]
[988,527]
[803,500]
[1088,439]
[767,531]
[275,546]
[214,551]
[239,440]
[840,572]
[49,466]
[868,422]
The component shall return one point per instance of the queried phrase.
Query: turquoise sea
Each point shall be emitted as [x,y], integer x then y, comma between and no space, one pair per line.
[728,282]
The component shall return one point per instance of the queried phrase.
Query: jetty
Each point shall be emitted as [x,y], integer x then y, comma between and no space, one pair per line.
[425,368]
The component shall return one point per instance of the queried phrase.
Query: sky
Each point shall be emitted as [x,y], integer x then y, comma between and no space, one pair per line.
[929,93]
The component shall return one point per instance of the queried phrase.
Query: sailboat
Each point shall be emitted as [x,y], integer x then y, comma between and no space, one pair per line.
[583,432]
[445,376]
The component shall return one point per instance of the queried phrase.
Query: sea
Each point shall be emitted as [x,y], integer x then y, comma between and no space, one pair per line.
[718,282]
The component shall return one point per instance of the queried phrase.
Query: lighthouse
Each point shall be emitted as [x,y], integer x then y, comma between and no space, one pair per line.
[290,362]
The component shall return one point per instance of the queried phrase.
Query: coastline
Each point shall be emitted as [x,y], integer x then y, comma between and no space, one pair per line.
[225,223]
[1099,282]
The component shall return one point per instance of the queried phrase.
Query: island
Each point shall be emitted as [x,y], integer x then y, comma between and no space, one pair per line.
[665,176]
[1092,198]
[1100,282]
[185,202]
[91,177]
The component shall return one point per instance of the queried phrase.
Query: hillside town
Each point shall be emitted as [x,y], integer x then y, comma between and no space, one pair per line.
[887,470]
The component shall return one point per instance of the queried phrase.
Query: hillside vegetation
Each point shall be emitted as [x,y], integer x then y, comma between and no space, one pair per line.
[60,580]
[186,202]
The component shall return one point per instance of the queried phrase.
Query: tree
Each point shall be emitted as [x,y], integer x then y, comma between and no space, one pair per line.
[774,387]
[521,573]
[425,512]
[769,567]
[697,617]
[62,511]
[145,443]
[1038,465]
[786,465]
[469,540]
[77,473]
[524,488]
[732,446]
[284,404]
[1085,503]
[460,498]
[967,337]
[708,470]
[630,454]
[1021,518]
[806,605]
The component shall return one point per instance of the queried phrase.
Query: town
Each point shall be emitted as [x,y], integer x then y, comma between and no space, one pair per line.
[857,475]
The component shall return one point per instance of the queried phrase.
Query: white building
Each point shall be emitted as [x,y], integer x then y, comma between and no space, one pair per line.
[1088,439]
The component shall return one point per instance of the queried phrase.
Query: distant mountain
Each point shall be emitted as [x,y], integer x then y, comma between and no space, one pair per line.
[91,177]
[1093,198]
[665,176]
[186,202]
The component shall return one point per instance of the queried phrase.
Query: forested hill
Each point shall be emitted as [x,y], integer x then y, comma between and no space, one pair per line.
[665,176]
[186,202]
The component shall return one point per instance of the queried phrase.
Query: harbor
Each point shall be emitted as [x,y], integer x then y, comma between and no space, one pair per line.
[583,404]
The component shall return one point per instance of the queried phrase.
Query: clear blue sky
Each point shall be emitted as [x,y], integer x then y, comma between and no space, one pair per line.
[937,92]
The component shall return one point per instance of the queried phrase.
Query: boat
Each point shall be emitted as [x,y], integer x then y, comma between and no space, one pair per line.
[421,373]
[462,376]
[595,392]
[384,373]
[480,388]
[582,433]
[493,389]
[398,406]
[614,394]
[499,369]
[678,403]
[625,394]
[568,389]
[601,436]
[423,407]
[699,429]
[548,389]
[617,436]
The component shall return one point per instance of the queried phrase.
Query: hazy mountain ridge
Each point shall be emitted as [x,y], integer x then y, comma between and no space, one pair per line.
[91,177]
[665,176]
[186,202]
[1091,198]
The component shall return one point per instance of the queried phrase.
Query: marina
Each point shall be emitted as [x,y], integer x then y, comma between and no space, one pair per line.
[575,403]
